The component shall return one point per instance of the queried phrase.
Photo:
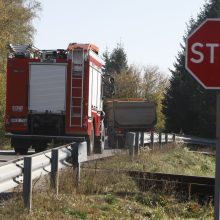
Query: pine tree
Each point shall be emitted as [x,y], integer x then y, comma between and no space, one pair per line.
[188,107]
[115,64]
[116,61]
[107,61]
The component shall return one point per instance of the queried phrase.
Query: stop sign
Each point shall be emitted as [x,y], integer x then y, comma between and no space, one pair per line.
[203,54]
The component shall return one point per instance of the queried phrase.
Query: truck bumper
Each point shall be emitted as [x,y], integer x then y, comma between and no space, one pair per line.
[46,137]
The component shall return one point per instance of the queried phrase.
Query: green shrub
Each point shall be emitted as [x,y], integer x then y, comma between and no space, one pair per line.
[110,199]
[76,213]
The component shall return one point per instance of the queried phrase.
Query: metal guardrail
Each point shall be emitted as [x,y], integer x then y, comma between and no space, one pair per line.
[12,172]
[166,137]
[135,140]
[150,137]
[195,140]
[25,170]
[10,175]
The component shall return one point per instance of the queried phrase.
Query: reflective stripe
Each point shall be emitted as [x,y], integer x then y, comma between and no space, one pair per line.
[18,120]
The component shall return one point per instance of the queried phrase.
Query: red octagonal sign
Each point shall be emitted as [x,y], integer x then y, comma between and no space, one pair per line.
[203,54]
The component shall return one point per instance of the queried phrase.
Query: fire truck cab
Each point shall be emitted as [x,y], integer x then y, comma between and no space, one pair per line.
[54,95]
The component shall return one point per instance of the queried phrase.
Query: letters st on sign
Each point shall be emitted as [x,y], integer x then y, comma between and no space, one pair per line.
[199,56]
[203,54]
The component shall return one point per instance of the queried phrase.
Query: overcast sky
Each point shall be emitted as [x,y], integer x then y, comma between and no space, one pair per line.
[150,31]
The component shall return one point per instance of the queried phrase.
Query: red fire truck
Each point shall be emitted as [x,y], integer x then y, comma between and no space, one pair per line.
[54,95]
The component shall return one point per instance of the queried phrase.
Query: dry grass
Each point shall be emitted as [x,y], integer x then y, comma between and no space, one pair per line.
[4,143]
[103,195]
[176,160]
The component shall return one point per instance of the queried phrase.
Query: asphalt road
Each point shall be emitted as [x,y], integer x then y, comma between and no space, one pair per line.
[7,155]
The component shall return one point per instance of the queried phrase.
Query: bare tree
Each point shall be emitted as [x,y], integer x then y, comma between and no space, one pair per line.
[127,83]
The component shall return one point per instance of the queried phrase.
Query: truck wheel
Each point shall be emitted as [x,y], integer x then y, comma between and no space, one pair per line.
[100,142]
[39,146]
[20,146]
[111,141]
[21,151]
[121,142]
[40,149]
[90,142]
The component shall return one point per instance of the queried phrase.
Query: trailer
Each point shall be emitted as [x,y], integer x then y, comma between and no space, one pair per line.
[128,115]
[54,95]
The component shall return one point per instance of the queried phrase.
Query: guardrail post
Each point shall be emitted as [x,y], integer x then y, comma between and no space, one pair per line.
[166,138]
[55,170]
[78,174]
[79,155]
[130,143]
[136,148]
[160,140]
[174,138]
[131,151]
[217,160]
[75,161]
[152,139]
[27,183]
[142,139]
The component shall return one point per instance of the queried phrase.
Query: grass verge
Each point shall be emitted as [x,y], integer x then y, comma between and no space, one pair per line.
[5,143]
[176,160]
[111,195]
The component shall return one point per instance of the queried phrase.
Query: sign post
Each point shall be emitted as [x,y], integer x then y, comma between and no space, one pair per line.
[203,63]
[217,169]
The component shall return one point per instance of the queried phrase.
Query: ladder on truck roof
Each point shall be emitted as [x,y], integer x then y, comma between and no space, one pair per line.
[23,51]
[77,82]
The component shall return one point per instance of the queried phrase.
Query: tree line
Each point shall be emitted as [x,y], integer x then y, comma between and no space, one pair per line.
[145,82]
[182,104]
[188,107]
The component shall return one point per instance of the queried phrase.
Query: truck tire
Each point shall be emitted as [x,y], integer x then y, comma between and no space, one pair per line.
[39,146]
[20,146]
[91,142]
[40,149]
[100,141]
[112,141]
[21,151]
[120,142]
